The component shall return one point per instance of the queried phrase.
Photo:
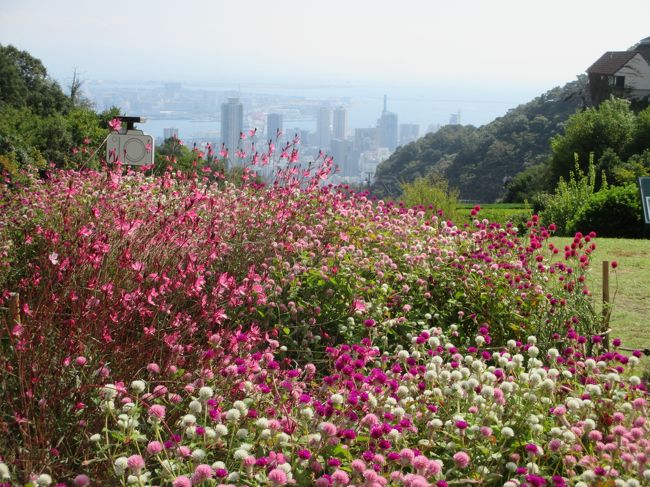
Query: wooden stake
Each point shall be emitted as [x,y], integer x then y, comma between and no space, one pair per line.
[606,304]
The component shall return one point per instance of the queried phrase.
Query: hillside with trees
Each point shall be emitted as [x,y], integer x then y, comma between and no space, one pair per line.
[479,161]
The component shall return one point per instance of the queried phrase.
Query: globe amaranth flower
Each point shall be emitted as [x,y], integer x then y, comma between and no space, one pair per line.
[461,459]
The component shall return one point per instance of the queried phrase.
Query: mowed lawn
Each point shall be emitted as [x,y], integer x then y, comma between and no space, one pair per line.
[629,287]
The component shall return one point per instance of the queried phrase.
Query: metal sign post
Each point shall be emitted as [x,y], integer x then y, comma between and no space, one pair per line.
[644,188]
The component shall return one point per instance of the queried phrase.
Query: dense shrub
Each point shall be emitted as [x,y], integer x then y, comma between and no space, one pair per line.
[613,212]
[561,207]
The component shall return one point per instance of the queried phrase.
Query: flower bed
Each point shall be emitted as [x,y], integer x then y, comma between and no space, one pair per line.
[257,292]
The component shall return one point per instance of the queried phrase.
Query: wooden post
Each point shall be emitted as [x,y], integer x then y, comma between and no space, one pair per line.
[606,304]
[14,309]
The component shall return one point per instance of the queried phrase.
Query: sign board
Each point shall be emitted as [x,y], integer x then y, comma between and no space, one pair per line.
[644,187]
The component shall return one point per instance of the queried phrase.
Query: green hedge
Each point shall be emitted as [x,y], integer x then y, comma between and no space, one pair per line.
[613,212]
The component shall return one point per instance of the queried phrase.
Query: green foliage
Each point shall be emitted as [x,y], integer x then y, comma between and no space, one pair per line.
[479,160]
[636,166]
[39,124]
[561,207]
[24,83]
[432,192]
[172,153]
[604,131]
[612,212]
[528,184]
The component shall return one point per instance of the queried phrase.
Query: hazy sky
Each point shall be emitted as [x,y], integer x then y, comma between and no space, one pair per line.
[511,43]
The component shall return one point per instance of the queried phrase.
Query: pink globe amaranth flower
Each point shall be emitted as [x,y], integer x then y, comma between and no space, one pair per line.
[154,447]
[406,456]
[277,477]
[358,465]
[461,459]
[249,461]
[413,480]
[202,473]
[183,451]
[81,361]
[157,411]
[555,444]
[153,368]
[339,477]
[321,482]
[420,462]
[182,481]
[595,435]
[81,480]
[329,429]
[486,431]
[135,463]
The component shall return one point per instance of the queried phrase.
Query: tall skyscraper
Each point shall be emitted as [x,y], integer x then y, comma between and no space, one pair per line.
[340,123]
[454,118]
[387,128]
[232,125]
[408,132]
[273,125]
[324,127]
[343,157]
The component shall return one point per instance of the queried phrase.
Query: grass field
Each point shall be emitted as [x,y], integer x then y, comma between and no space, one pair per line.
[629,287]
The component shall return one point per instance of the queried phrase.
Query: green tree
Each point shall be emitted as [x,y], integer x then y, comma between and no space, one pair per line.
[593,131]
[24,83]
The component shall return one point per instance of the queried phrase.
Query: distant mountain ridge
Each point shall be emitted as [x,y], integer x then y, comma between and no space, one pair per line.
[478,161]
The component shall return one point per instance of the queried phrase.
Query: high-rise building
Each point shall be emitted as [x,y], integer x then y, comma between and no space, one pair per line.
[170,133]
[273,126]
[342,154]
[365,139]
[454,118]
[408,132]
[387,129]
[232,125]
[324,127]
[340,123]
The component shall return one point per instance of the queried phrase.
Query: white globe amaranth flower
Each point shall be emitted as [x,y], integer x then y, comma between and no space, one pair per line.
[337,399]
[195,407]
[4,471]
[240,454]
[241,407]
[507,432]
[198,454]
[206,393]
[242,433]
[95,438]
[188,420]
[265,434]
[108,392]
[262,423]
[138,386]
[44,480]
[233,415]
[120,465]
[221,430]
